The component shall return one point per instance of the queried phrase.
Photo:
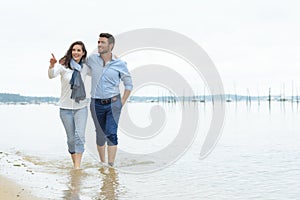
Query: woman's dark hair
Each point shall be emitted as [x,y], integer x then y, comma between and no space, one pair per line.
[66,59]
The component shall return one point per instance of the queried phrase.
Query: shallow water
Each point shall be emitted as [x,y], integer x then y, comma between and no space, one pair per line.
[257,157]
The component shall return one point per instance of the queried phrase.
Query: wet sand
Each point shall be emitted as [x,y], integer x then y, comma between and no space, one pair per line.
[9,190]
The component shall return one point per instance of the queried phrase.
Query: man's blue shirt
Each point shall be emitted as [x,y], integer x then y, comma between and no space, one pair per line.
[106,79]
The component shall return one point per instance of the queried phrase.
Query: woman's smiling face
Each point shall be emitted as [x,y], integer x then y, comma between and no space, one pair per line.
[77,52]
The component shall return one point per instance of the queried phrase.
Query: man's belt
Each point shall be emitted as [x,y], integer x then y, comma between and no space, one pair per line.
[107,101]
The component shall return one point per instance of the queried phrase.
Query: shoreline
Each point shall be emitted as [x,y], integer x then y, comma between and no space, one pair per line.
[10,190]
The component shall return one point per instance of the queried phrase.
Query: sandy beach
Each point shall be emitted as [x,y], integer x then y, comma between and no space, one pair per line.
[9,190]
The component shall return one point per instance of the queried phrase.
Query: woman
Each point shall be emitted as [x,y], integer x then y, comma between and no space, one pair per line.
[73,102]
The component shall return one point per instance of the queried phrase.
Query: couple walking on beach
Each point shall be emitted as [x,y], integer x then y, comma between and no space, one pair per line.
[106,72]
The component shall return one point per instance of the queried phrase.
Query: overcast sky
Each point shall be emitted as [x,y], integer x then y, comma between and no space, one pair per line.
[253,43]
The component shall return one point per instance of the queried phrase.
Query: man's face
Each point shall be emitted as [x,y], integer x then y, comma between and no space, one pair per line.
[103,45]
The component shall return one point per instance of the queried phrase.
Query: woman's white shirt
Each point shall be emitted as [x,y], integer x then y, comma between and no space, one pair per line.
[65,100]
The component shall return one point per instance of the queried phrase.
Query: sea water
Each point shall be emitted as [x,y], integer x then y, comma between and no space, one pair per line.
[257,156]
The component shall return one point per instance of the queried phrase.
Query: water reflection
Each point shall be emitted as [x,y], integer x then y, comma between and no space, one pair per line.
[110,184]
[74,185]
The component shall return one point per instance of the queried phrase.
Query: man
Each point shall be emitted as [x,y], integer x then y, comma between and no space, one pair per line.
[106,102]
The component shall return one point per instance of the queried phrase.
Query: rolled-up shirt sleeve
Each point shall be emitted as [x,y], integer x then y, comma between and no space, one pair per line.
[126,77]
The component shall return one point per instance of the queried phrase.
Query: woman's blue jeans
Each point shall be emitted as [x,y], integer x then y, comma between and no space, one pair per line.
[74,122]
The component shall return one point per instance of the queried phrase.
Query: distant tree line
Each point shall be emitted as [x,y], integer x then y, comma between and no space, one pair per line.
[17,98]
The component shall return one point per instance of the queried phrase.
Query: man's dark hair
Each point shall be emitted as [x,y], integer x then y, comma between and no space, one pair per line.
[111,39]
